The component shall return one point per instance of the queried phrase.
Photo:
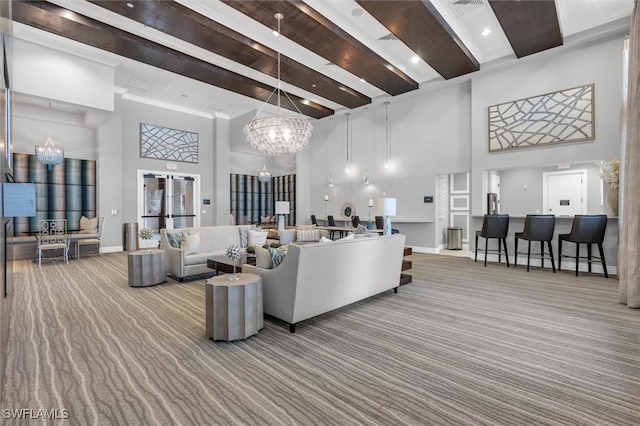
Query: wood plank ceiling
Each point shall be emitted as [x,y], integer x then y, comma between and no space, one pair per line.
[531,26]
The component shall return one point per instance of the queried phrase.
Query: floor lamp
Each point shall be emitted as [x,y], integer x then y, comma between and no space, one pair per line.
[387,208]
[282,208]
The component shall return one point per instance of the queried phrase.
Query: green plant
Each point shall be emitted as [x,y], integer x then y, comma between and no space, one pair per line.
[251,249]
[275,245]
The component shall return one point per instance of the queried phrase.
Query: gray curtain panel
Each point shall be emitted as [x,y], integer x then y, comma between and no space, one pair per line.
[629,249]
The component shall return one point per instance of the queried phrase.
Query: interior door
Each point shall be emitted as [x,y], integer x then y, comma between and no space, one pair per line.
[168,201]
[565,193]
[183,210]
[154,212]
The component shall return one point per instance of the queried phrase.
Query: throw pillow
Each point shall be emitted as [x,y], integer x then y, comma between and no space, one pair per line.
[257,238]
[175,239]
[88,226]
[263,258]
[351,236]
[277,256]
[191,243]
[361,229]
[311,235]
[244,236]
[325,240]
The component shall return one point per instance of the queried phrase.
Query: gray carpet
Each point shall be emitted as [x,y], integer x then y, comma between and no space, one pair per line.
[461,345]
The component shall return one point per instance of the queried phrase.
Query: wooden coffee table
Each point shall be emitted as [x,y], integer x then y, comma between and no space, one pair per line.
[222,263]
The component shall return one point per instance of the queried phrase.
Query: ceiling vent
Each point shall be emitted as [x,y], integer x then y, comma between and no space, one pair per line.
[389,36]
[136,85]
[460,7]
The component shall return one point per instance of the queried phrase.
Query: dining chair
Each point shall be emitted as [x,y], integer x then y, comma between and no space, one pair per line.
[332,232]
[537,227]
[586,229]
[355,221]
[314,220]
[380,224]
[53,236]
[91,240]
[494,226]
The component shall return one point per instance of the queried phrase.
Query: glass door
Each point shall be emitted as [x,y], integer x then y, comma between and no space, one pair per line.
[167,201]
[183,212]
[154,214]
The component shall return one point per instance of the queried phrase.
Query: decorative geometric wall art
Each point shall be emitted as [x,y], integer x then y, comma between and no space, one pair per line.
[163,143]
[557,117]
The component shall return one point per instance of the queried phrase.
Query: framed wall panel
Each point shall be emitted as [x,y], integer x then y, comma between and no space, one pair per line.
[557,117]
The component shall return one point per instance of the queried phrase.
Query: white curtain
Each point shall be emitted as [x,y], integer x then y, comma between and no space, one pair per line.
[629,247]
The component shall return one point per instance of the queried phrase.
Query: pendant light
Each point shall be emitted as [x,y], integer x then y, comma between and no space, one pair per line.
[278,135]
[48,153]
[264,175]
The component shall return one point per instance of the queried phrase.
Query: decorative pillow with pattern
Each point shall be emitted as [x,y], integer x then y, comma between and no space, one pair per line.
[244,236]
[277,256]
[361,229]
[175,239]
[191,243]
[312,235]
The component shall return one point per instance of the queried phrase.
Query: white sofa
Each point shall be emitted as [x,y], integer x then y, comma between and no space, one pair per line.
[320,277]
[214,240]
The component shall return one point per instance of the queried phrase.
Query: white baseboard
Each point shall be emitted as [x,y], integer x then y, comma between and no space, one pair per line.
[112,249]
[432,250]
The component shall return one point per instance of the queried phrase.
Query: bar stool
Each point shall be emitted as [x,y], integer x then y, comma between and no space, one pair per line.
[537,227]
[494,226]
[586,229]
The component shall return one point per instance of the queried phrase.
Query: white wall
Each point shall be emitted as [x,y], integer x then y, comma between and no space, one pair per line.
[52,74]
[599,63]
[429,134]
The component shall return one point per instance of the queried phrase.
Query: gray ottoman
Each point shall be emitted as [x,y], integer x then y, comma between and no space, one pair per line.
[233,309]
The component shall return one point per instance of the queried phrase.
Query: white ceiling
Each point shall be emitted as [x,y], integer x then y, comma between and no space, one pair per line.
[579,19]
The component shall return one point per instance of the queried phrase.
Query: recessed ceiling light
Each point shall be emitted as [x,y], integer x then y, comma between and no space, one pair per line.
[486,32]
[130,5]
[313,85]
[362,80]
[415,59]
[275,33]
[356,12]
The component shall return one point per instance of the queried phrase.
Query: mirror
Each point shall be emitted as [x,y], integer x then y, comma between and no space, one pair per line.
[348,210]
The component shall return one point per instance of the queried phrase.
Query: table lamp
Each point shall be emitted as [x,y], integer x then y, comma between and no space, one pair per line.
[282,208]
[387,208]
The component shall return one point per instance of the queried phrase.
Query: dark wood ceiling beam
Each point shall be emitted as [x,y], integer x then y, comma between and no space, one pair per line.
[181,22]
[530,25]
[421,27]
[66,23]
[305,26]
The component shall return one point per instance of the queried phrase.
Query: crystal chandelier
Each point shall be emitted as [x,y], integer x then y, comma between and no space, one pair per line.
[278,135]
[48,153]
[264,175]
